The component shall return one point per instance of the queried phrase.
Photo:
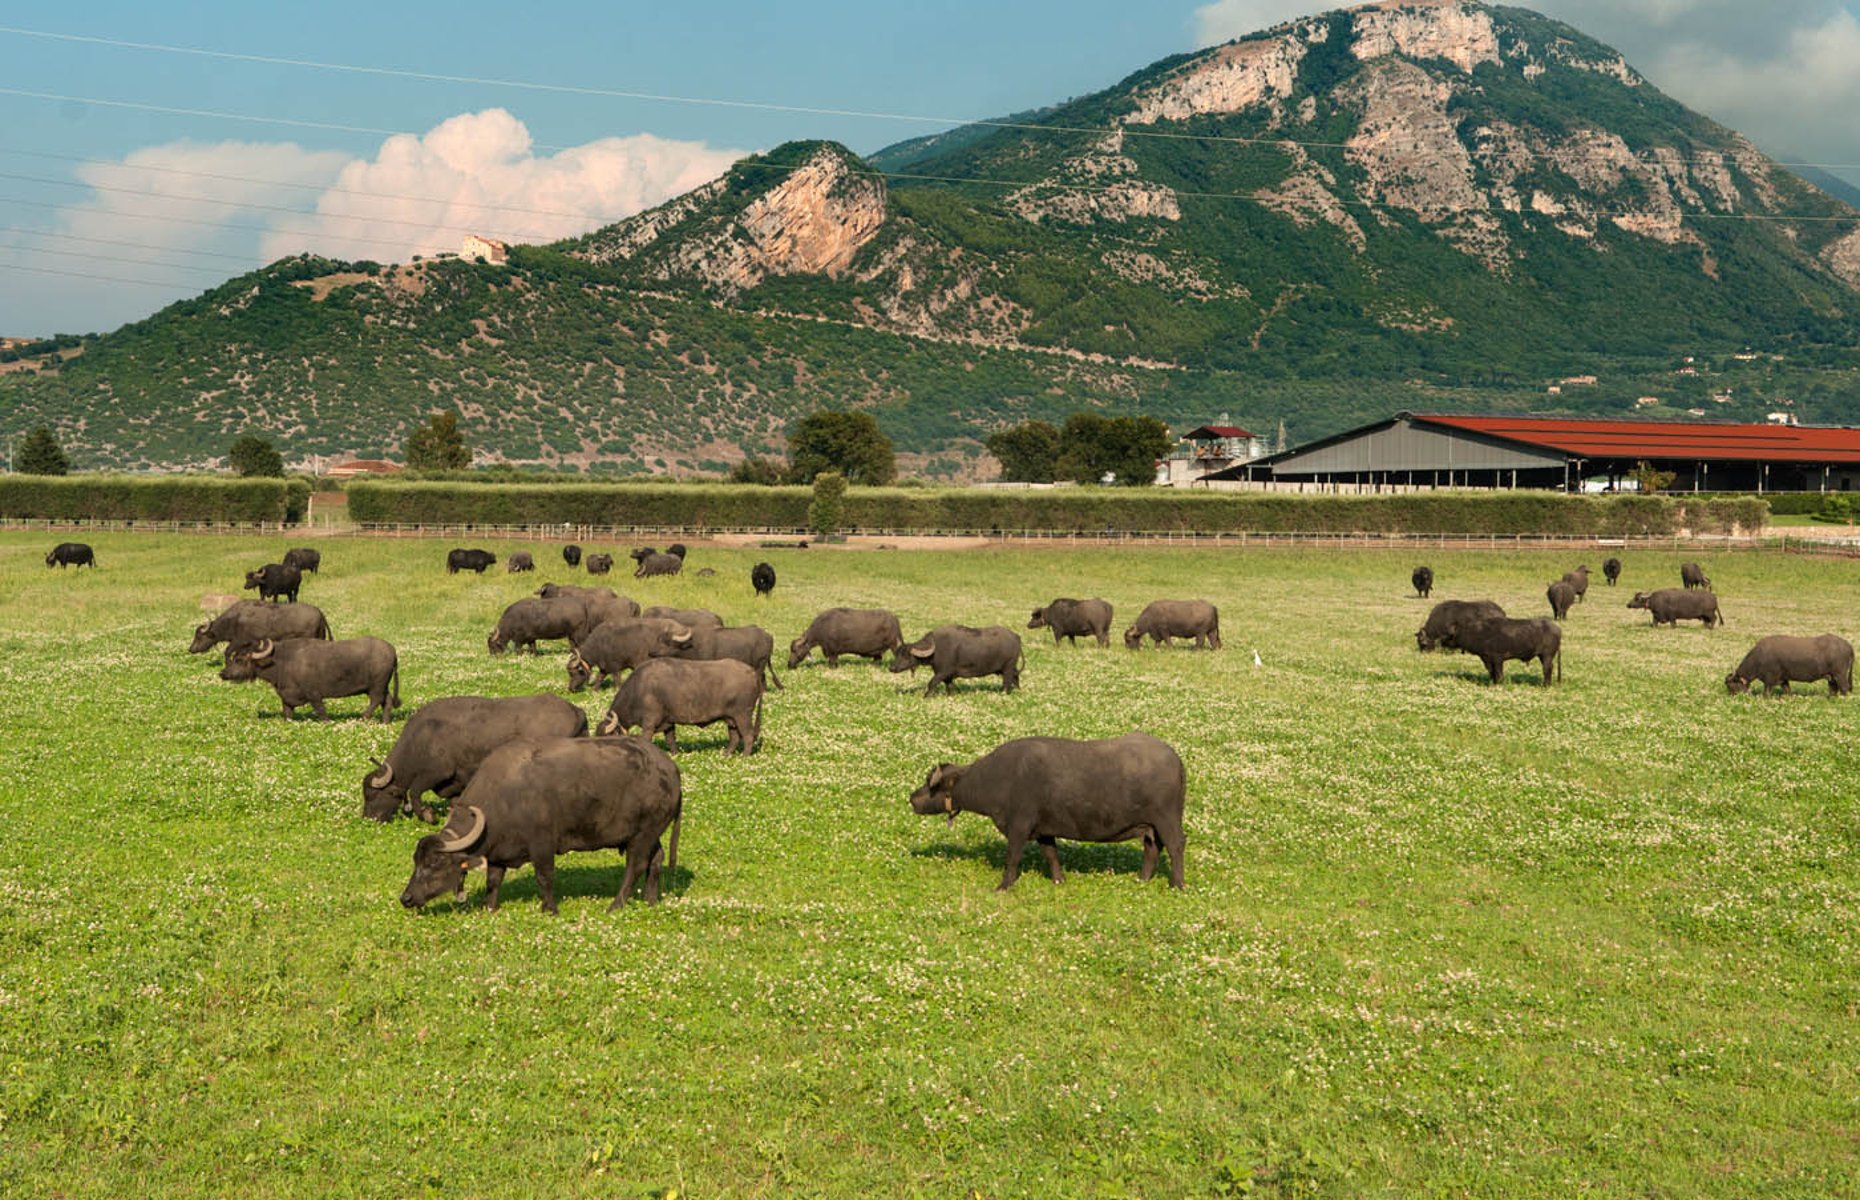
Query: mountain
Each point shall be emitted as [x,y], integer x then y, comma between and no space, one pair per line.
[1422,204]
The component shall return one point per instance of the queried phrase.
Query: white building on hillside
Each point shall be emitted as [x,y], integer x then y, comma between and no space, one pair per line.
[483,249]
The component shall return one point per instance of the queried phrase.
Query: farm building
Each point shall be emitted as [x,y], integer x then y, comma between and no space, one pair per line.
[1411,450]
[1207,449]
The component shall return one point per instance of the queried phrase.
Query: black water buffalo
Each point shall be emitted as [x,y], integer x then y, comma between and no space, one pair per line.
[1578,580]
[535,798]
[274,580]
[955,652]
[602,604]
[1441,630]
[748,644]
[600,564]
[1562,596]
[693,617]
[1163,620]
[867,632]
[1670,606]
[571,554]
[1611,570]
[621,646]
[1046,788]
[248,622]
[651,562]
[668,692]
[530,620]
[1693,576]
[1423,580]
[443,742]
[304,559]
[71,554]
[676,548]
[307,671]
[1778,661]
[1070,618]
[522,560]
[1496,640]
[762,578]
[469,560]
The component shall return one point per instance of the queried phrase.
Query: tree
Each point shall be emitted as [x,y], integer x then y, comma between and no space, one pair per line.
[1650,478]
[252,455]
[850,443]
[765,471]
[40,454]
[1125,448]
[438,445]
[1029,452]
[829,507]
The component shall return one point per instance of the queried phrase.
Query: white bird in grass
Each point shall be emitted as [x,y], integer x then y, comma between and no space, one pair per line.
[1256,661]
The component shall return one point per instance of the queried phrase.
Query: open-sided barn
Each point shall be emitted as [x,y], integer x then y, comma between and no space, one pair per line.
[1411,450]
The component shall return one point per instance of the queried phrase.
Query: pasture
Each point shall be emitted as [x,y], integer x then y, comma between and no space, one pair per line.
[1438,938]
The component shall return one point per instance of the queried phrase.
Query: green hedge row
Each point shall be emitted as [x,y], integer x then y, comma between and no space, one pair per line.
[153,498]
[1076,510]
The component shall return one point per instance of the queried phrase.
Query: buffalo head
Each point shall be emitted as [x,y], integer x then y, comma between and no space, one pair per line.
[938,794]
[440,860]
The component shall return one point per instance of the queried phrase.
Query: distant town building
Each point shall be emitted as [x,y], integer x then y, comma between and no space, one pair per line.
[483,249]
[1206,450]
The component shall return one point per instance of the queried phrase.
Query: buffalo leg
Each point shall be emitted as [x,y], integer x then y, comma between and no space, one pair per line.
[937,677]
[1545,660]
[833,660]
[1010,679]
[1050,848]
[671,737]
[545,880]
[1016,842]
[654,868]
[493,879]
[1150,849]
[1174,842]
[320,709]
[1495,667]
[634,863]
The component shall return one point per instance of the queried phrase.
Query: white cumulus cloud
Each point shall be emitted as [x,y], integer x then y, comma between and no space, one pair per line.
[1226,20]
[480,173]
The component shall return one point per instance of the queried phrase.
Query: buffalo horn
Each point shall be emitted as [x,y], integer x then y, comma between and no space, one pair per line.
[262,651]
[576,662]
[609,726]
[928,650]
[383,778]
[454,845]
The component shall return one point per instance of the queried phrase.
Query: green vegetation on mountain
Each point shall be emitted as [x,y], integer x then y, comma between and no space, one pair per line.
[1432,207]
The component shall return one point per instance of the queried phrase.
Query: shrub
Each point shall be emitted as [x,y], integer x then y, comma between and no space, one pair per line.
[160,498]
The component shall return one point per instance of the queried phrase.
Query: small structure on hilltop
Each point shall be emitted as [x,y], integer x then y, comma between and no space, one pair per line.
[362,466]
[484,250]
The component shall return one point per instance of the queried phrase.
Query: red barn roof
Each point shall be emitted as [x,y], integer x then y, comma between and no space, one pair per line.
[1668,439]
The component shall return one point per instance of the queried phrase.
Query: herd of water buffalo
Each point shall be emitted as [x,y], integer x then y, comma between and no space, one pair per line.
[1481,628]
[526,781]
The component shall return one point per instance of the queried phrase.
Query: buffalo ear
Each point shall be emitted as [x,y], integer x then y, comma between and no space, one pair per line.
[474,863]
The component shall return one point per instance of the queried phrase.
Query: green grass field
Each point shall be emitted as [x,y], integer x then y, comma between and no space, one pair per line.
[1439,938]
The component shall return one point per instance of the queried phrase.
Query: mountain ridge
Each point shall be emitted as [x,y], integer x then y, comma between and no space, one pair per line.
[1412,203]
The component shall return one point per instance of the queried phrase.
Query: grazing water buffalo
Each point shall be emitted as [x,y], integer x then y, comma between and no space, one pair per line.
[668,692]
[955,652]
[273,580]
[1163,620]
[1778,661]
[248,622]
[71,554]
[1047,788]
[1562,595]
[651,562]
[469,560]
[304,559]
[530,620]
[1578,580]
[751,645]
[1441,632]
[762,578]
[1423,580]
[306,671]
[693,617]
[867,632]
[621,646]
[1693,576]
[1070,618]
[1496,640]
[600,564]
[1611,570]
[522,560]
[571,554]
[443,742]
[535,798]
[1670,606]
[601,603]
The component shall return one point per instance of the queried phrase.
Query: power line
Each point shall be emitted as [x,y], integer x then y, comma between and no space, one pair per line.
[115,258]
[75,237]
[715,101]
[85,275]
[231,228]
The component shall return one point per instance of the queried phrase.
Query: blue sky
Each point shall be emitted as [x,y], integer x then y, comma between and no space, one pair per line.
[106,213]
